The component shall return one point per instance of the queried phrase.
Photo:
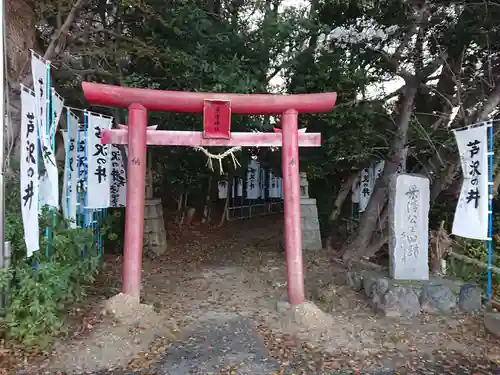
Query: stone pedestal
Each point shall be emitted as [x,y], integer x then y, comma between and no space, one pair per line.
[311,236]
[155,236]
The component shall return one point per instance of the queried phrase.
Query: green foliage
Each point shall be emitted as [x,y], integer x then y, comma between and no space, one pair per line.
[38,288]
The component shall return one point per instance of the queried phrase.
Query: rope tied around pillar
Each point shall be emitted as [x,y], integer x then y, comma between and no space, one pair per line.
[220,157]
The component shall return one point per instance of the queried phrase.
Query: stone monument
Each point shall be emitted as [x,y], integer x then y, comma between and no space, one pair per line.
[409,201]
[311,236]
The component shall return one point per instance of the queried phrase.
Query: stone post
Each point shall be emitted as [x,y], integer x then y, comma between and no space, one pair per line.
[311,236]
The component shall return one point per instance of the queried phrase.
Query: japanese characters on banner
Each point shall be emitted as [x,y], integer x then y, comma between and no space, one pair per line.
[471,215]
[29,171]
[274,188]
[69,197]
[48,176]
[362,188]
[367,183]
[253,180]
[222,189]
[98,163]
[118,183]
[81,164]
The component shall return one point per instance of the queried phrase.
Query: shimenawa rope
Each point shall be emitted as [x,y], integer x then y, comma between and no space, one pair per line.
[219,157]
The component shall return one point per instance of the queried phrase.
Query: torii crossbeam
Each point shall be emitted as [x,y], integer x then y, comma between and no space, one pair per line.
[217,110]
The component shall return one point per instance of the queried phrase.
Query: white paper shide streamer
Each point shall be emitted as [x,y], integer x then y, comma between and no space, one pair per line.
[49,179]
[29,172]
[69,196]
[98,163]
[118,184]
[253,180]
[471,215]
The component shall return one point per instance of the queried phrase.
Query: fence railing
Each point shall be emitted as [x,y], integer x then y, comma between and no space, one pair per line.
[253,210]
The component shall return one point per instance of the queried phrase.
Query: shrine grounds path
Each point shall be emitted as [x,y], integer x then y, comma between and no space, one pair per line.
[214,298]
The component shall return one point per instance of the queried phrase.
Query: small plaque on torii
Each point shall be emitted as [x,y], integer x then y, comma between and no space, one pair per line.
[217,119]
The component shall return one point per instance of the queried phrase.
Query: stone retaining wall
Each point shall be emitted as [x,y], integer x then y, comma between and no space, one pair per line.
[399,298]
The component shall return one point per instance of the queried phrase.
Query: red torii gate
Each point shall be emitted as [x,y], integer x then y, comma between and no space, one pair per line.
[217,109]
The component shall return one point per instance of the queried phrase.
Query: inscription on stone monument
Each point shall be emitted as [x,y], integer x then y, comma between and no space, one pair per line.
[409,227]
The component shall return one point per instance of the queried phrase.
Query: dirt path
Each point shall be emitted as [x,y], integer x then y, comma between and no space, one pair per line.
[241,269]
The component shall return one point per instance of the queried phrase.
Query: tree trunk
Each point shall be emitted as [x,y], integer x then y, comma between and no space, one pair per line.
[369,219]
[230,181]
[206,206]
[342,194]
[21,37]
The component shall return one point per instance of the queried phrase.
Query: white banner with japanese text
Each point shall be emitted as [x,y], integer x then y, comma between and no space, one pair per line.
[118,184]
[471,214]
[69,197]
[29,171]
[98,162]
[253,180]
[366,187]
[48,175]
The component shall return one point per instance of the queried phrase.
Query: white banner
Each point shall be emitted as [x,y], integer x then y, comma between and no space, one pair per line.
[471,215]
[57,107]
[253,180]
[68,199]
[48,176]
[274,188]
[239,187]
[29,171]
[98,162]
[39,73]
[280,187]
[366,187]
[118,184]
[262,183]
[222,189]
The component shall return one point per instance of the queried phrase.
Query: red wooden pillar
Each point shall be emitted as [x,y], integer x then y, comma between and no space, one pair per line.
[134,213]
[291,190]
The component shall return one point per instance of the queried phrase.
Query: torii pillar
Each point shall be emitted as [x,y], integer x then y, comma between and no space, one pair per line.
[217,110]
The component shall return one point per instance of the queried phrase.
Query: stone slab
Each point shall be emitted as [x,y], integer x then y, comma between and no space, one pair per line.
[409,203]
[311,235]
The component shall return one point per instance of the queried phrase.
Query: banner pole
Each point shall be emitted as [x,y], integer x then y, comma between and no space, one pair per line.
[2,125]
[490,211]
